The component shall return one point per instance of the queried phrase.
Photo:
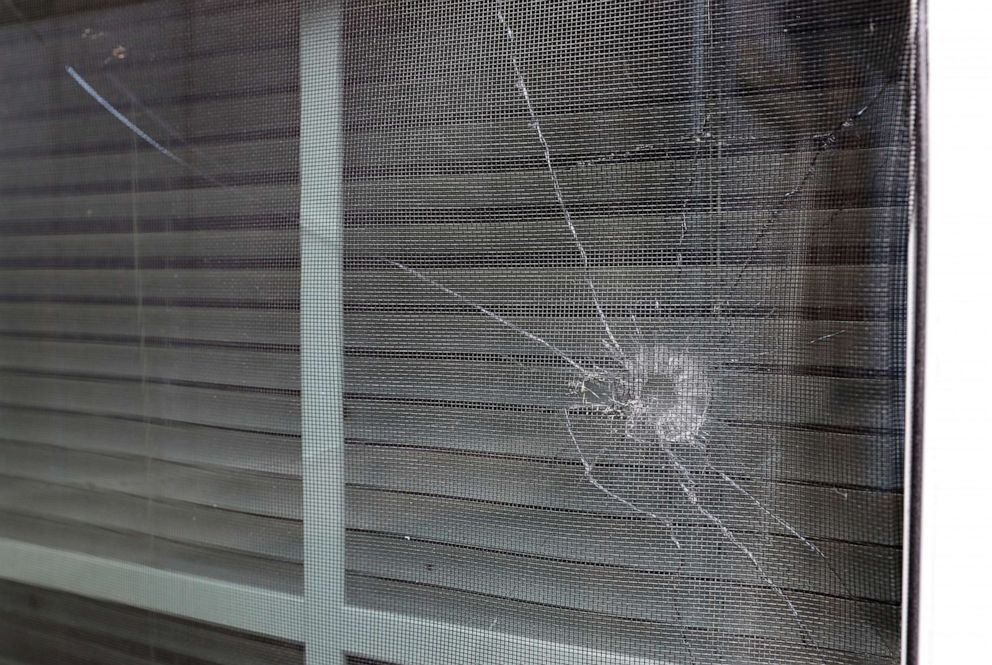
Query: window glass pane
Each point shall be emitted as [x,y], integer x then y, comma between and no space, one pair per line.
[149,295]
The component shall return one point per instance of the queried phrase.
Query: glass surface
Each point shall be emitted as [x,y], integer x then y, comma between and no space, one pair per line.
[583,322]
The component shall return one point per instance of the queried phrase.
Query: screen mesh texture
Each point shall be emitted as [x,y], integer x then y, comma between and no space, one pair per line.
[624,323]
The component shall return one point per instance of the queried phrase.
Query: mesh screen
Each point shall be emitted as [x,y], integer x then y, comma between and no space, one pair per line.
[621,338]
[624,323]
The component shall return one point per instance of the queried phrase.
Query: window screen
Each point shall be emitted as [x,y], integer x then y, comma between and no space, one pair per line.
[517,331]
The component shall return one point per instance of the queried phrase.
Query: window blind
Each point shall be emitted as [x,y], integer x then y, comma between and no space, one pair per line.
[149,335]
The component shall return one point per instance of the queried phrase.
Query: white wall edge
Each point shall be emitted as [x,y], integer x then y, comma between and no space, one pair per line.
[955,575]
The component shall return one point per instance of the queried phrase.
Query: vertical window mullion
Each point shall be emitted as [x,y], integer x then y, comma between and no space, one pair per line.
[321,330]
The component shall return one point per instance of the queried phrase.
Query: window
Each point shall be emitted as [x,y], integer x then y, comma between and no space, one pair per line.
[455,332]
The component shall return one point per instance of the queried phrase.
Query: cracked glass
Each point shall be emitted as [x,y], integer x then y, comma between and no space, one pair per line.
[495,331]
